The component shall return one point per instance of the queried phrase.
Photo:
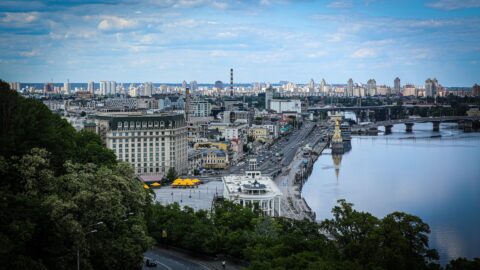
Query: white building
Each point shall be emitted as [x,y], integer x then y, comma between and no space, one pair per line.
[231,133]
[91,87]
[254,190]
[200,108]
[152,144]
[66,87]
[284,105]
[148,89]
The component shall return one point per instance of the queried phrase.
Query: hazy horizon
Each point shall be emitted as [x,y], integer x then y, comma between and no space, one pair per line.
[264,41]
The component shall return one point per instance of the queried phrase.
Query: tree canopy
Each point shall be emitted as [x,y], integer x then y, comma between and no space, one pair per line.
[28,123]
[62,193]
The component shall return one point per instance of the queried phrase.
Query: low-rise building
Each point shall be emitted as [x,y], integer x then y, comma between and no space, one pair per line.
[211,146]
[253,190]
[259,133]
[214,159]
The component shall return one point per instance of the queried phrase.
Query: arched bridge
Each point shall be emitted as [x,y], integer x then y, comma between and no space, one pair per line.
[465,122]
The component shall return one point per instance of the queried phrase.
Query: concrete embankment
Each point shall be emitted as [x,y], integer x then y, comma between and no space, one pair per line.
[292,179]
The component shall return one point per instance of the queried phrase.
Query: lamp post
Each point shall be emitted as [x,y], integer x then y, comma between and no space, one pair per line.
[78,249]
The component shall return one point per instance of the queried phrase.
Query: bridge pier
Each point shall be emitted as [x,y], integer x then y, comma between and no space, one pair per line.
[409,127]
[436,126]
[468,126]
[388,129]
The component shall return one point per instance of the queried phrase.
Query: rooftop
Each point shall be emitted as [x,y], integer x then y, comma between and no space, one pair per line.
[263,186]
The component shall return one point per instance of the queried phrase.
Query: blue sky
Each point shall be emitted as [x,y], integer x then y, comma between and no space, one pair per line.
[263,40]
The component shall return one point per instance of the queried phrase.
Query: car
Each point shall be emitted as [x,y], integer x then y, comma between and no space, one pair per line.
[150,263]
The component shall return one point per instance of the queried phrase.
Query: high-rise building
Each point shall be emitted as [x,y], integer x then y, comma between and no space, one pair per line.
[15,86]
[268,97]
[91,87]
[476,90]
[148,89]
[48,88]
[108,88]
[103,88]
[396,86]
[431,87]
[311,86]
[113,88]
[372,87]
[66,87]
[193,86]
[152,144]
[323,86]
[184,85]
[350,87]
[200,108]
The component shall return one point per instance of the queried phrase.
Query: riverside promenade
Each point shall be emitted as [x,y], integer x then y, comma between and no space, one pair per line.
[291,180]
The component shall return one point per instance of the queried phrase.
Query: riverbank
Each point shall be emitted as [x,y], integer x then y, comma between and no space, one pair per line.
[435,179]
[292,179]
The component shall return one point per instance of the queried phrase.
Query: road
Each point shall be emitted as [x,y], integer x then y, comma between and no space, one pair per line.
[268,163]
[169,261]
[173,259]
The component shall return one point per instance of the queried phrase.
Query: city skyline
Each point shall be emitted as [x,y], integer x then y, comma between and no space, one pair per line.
[266,41]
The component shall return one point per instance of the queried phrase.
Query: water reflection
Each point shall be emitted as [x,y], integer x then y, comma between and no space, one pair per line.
[337,160]
[434,178]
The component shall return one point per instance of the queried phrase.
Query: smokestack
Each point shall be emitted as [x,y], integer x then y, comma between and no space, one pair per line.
[231,82]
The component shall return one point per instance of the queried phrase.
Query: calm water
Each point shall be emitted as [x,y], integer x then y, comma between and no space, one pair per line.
[437,179]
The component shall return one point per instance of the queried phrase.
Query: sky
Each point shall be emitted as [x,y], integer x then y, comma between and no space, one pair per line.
[262,40]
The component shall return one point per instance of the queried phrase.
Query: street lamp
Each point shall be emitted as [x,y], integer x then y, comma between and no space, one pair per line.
[90,232]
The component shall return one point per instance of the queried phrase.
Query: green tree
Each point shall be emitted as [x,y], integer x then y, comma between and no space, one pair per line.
[28,123]
[171,174]
[46,217]
[463,264]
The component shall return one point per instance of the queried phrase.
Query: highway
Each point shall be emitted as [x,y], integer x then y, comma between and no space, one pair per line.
[267,161]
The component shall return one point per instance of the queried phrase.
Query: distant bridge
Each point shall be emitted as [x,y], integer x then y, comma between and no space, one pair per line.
[465,121]
[377,107]
[353,108]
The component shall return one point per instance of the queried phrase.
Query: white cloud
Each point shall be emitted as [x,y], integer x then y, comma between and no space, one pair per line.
[114,23]
[336,37]
[20,17]
[218,54]
[454,4]
[188,23]
[227,35]
[318,54]
[364,53]
[31,53]
[340,4]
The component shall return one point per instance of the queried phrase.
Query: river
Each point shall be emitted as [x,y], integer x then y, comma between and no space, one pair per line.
[437,179]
